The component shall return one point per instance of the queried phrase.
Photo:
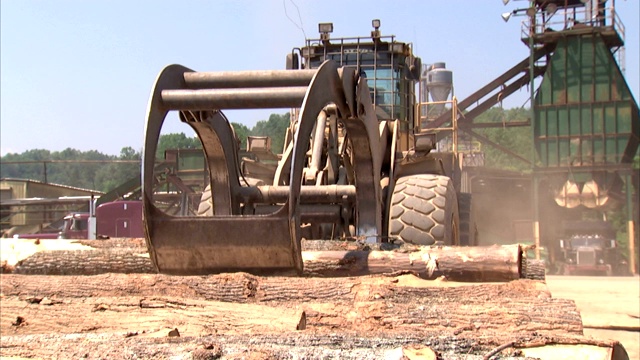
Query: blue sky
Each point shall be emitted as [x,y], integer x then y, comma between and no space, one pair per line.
[79,73]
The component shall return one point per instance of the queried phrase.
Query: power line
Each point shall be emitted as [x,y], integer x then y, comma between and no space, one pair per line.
[301,26]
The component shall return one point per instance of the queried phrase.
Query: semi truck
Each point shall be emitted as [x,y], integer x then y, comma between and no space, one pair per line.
[112,219]
[590,247]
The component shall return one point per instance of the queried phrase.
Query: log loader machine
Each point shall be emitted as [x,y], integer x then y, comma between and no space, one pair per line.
[357,161]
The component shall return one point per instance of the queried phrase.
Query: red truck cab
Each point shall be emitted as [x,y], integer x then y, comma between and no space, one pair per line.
[75,226]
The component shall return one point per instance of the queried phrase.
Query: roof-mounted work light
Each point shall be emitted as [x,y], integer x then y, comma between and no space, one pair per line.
[529,11]
[325,29]
[506,16]
[376,28]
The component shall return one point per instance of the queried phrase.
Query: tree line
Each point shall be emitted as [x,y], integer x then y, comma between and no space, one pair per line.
[98,171]
[95,170]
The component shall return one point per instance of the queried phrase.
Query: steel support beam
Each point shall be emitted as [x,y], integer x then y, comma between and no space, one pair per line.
[487,141]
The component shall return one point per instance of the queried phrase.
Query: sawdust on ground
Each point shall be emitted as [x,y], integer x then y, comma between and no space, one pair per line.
[14,250]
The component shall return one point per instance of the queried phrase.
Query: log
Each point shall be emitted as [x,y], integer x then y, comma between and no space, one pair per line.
[115,243]
[280,346]
[365,304]
[144,315]
[87,262]
[479,264]
[533,269]
[476,264]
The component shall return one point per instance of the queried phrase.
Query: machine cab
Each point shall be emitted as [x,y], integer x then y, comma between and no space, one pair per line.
[389,66]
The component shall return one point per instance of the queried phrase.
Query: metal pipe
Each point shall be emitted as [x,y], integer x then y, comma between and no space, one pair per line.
[308,194]
[248,79]
[318,143]
[255,98]
[494,125]
[309,213]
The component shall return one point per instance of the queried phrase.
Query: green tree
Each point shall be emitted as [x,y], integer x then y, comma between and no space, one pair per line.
[33,171]
[111,176]
[241,133]
[128,153]
[69,172]
[72,167]
[176,141]
[517,139]
[275,128]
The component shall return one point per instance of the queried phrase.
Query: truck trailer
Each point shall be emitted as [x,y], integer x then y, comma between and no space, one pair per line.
[121,219]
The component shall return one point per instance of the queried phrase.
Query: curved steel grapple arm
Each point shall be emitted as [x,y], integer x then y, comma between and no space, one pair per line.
[229,240]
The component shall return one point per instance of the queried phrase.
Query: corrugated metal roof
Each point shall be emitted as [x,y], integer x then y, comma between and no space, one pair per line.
[29,181]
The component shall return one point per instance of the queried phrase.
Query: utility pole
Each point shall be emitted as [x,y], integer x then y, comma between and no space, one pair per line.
[534,178]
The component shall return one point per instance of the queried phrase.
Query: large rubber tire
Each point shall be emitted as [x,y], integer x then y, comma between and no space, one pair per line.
[468,228]
[206,203]
[424,209]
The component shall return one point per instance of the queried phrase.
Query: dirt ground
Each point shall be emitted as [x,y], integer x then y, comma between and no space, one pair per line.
[604,302]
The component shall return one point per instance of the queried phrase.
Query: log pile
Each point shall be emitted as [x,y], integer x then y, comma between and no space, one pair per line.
[355,317]
[372,302]
[393,312]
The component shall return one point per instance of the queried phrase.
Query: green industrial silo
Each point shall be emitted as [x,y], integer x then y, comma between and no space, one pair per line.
[586,122]
[585,114]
